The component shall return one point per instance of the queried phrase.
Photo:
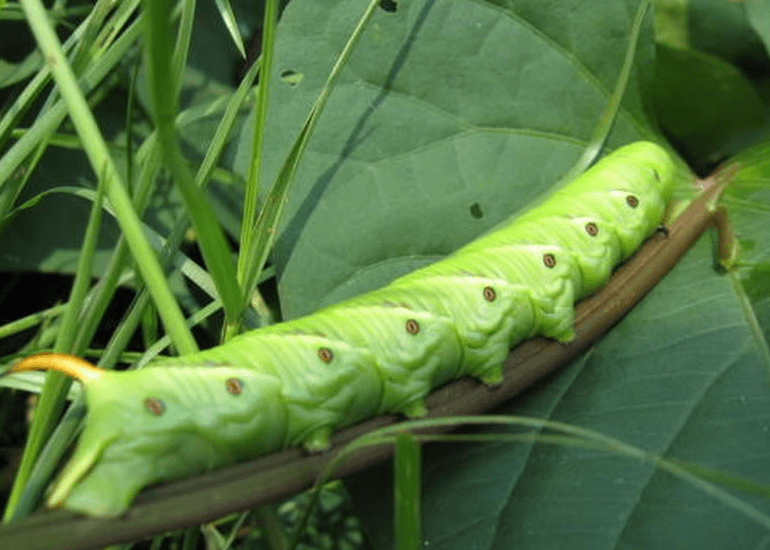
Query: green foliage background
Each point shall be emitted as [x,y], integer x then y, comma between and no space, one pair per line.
[448,117]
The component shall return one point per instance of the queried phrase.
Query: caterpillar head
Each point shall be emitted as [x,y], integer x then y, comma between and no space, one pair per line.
[151,425]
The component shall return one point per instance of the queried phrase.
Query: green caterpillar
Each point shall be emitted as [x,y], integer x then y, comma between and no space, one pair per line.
[297,382]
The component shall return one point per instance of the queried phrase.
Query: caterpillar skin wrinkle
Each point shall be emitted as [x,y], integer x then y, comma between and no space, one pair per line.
[297,382]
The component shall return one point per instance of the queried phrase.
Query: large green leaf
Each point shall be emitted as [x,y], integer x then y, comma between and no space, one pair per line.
[748,201]
[449,117]
[680,377]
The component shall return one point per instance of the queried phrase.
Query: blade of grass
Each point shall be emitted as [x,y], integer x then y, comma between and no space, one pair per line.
[14,327]
[197,317]
[228,18]
[50,456]
[588,437]
[56,386]
[251,194]
[226,124]
[52,453]
[407,489]
[602,131]
[267,221]
[214,248]
[217,144]
[84,50]
[48,460]
[26,98]
[119,261]
[66,336]
[47,121]
[102,163]
[188,267]
[178,59]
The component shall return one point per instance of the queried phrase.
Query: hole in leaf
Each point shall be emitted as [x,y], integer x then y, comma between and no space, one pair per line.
[389,6]
[292,78]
